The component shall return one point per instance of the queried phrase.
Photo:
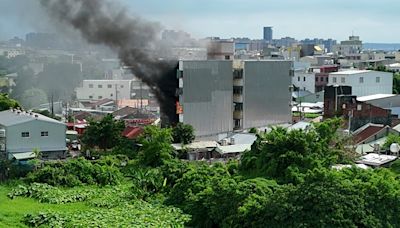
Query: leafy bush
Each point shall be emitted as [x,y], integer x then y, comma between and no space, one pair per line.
[140,214]
[76,172]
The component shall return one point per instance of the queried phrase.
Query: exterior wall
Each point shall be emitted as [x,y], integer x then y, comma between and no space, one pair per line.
[55,141]
[206,98]
[369,86]
[221,50]
[397,56]
[266,93]
[107,90]
[304,81]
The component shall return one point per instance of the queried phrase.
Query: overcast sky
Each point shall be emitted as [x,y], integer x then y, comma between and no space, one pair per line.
[373,21]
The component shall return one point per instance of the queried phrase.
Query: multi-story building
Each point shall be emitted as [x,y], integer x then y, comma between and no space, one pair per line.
[352,46]
[267,36]
[205,96]
[220,49]
[363,82]
[322,76]
[21,133]
[112,89]
[261,93]
[216,97]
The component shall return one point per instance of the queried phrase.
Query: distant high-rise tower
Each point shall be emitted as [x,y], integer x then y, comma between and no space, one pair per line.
[268,34]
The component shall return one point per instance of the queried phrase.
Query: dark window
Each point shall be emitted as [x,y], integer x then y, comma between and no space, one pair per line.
[304,79]
[25,134]
[227,57]
[316,79]
[44,133]
[99,86]
[122,86]
[100,97]
[90,97]
[90,85]
[109,86]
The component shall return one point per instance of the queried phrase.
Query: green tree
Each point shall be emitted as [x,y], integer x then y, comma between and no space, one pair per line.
[392,138]
[104,134]
[155,146]
[183,133]
[7,103]
[287,155]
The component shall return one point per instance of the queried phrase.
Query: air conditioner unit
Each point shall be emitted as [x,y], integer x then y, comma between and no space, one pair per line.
[2,133]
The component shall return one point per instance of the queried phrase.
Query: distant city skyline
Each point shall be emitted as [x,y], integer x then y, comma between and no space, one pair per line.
[239,18]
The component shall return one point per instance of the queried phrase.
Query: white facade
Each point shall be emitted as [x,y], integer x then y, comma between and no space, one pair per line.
[364,82]
[101,89]
[12,53]
[394,67]
[304,81]
[23,132]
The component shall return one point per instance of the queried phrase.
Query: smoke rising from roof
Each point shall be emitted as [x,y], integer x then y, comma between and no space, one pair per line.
[134,39]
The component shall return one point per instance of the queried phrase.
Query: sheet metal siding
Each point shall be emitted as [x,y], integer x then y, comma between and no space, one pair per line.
[207,96]
[54,141]
[266,93]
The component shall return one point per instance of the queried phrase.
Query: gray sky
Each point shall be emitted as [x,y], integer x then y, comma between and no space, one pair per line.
[373,21]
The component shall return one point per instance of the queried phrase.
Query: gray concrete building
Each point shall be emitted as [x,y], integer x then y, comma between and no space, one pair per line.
[205,96]
[218,97]
[262,93]
[23,132]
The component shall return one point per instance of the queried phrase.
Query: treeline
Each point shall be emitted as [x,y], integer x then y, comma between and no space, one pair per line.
[285,180]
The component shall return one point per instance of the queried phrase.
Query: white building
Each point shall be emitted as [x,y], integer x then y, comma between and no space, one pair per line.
[363,82]
[100,89]
[21,133]
[304,81]
[12,52]
[393,67]
[348,47]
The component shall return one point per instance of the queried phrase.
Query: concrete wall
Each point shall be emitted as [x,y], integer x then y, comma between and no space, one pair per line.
[369,86]
[207,96]
[266,94]
[107,90]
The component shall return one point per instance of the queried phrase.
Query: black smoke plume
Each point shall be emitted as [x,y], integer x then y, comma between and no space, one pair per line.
[134,39]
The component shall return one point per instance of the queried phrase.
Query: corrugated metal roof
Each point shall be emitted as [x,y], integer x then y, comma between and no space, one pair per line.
[239,148]
[348,72]
[25,155]
[376,159]
[374,97]
[10,118]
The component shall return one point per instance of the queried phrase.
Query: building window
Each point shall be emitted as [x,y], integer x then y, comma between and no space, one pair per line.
[304,79]
[378,79]
[90,97]
[111,95]
[90,85]
[342,80]
[298,79]
[99,86]
[359,107]
[316,79]
[44,133]
[100,97]
[122,86]
[334,80]
[25,134]
[227,57]
[361,80]
[109,86]
[327,79]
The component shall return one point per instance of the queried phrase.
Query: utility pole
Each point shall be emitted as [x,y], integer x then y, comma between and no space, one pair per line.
[116,96]
[52,104]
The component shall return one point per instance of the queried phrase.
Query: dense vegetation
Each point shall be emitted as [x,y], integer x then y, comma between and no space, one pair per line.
[285,180]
